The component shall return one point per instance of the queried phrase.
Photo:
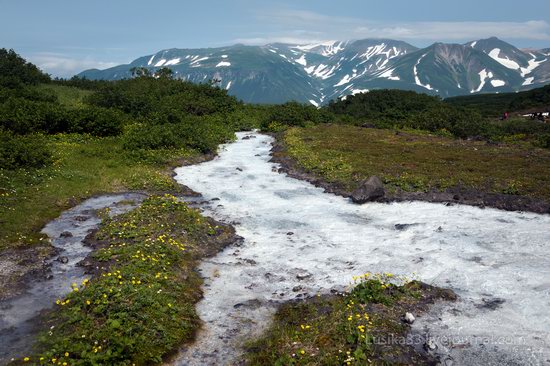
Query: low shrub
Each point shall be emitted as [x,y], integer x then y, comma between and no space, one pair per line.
[23,151]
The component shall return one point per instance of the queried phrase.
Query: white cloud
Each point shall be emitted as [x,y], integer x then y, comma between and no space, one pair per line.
[299,26]
[65,66]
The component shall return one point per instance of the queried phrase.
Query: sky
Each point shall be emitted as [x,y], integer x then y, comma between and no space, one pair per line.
[65,37]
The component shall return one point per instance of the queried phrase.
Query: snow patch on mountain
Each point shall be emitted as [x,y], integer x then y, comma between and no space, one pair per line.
[346,79]
[483,75]
[416,78]
[160,63]
[302,60]
[151,60]
[528,81]
[174,61]
[358,91]
[223,64]
[389,75]
[228,85]
[533,64]
[511,64]
[497,83]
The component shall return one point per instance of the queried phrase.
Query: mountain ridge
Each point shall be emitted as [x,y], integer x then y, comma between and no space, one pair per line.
[319,72]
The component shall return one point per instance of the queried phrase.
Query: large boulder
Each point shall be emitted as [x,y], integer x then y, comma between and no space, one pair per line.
[370,190]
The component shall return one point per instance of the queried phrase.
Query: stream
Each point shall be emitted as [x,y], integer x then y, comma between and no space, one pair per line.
[300,241]
[19,316]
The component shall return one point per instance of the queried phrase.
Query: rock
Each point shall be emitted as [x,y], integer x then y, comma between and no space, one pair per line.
[239,169]
[369,190]
[82,218]
[290,233]
[491,304]
[66,234]
[63,259]
[215,199]
[456,197]
[297,288]
[368,125]
[408,318]
[402,227]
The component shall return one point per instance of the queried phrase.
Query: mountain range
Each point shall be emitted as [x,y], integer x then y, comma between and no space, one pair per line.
[318,73]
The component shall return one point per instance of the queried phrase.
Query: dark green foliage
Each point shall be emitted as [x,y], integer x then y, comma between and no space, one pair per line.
[293,114]
[14,70]
[144,95]
[23,151]
[82,83]
[200,133]
[391,105]
[97,121]
[398,109]
[23,116]
[495,105]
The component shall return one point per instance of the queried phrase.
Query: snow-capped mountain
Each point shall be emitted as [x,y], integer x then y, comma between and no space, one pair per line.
[317,73]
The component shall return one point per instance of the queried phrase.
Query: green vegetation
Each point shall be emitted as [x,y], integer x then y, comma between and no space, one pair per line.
[494,105]
[417,161]
[140,306]
[293,114]
[354,328]
[407,109]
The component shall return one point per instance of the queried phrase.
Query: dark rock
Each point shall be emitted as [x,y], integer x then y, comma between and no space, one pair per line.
[491,304]
[402,227]
[368,125]
[297,288]
[369,190]
[66,234]
[63,259]
[456,197]
[290,233]
[239,169]
[82,218]
[215,199]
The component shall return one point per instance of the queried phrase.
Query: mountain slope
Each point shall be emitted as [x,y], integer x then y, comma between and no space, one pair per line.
[317,73]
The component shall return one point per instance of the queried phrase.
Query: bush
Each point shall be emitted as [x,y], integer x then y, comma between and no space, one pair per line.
[200,133]
[23,116]
[97,121]
[294,114]
[23,151]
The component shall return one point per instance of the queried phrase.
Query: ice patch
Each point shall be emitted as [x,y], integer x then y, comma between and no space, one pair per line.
[223,64]
[228,85]
[482,254]
[473,44]
[224,56]
[511,64]
[497,83]
[150,60]
[310,69]
[483,76]
[314,102]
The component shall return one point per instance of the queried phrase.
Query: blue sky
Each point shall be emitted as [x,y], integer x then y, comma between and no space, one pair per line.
[67,36]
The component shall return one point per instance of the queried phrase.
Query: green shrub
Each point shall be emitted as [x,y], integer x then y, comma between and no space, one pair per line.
[23,151]
[294,114]
[97,121]
[15,70]
[24,116]
[200,133]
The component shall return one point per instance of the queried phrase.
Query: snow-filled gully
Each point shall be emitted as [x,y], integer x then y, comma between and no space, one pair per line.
[297,236]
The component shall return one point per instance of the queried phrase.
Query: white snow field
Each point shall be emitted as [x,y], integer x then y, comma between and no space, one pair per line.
[297,235]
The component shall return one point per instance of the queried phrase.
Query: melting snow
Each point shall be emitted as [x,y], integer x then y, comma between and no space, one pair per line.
[228,85]
[314,102]
[197,60]
[160,63]
[346,79]
[224,56]
[223,63]
[497,83]
[151,60]
[416,78]
[310,69]
[533,64]
[528,81]
[358,91]
[511,64]
[483,75]
[389,75]
[473,44]
[174,61]
[483,254]
[302,60]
